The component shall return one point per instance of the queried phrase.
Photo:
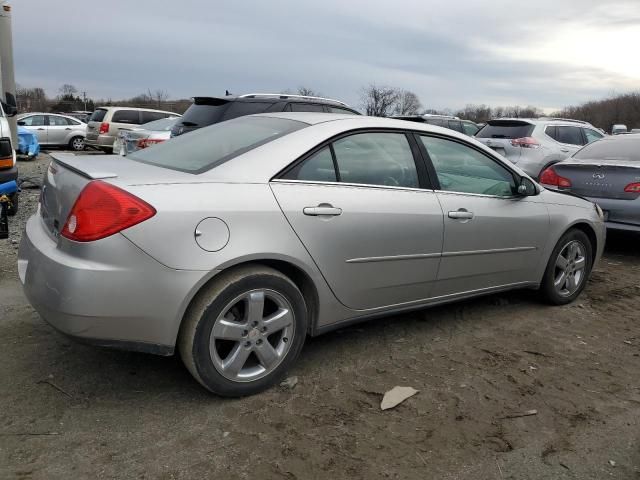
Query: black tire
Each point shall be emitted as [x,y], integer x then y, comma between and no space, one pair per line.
[13,209]
[548,289]
[196,328]
[74,144]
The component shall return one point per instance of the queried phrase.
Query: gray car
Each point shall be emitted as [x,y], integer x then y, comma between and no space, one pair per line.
[54,130]
[237,241]
[606,172]
[534,144]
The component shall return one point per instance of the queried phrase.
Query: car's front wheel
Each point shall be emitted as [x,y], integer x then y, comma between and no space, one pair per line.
[243,332]
[568,268]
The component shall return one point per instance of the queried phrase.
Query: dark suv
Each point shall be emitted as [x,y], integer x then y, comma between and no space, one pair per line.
[205,111]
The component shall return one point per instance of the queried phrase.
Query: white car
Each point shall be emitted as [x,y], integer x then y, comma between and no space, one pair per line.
[54,130]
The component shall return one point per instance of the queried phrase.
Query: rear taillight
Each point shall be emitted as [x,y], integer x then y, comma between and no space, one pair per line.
[102,210]
[6,153]
[633,188]
[104,127]
[147,142]
[525,142]
[550,177]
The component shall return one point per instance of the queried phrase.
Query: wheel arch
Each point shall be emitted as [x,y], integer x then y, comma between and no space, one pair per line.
[301,278]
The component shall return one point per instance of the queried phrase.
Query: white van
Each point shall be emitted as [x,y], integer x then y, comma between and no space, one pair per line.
[8,168]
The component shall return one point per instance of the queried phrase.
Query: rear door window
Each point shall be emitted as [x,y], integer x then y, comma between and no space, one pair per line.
[376,159]
[98,115]
[55,121]
[126,116]
[591,135]
[569,135]
[317,168]
[552,132]
[34,121]
[455,125]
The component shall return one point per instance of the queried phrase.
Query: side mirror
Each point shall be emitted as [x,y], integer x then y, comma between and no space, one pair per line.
[527,188]
[9,110]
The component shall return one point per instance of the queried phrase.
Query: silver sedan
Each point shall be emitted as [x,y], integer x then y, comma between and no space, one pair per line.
[55,130]
[237,241]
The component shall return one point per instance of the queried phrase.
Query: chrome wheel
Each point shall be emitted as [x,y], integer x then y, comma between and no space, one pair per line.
[252,335]
[77,144]
[570,268]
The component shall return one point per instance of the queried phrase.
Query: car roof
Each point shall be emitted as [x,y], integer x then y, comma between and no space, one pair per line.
[274,98]
[112,107]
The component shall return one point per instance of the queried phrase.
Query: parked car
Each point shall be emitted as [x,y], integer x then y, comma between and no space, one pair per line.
[106,121]
[80,115]
[8,167]
[534,144]
[454,123]
[606,172]
[209,110]
[54,130]
[635,130]
[130,140]
[237,241]
[618,129]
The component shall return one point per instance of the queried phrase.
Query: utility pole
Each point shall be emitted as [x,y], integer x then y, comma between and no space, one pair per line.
[84,98]
[7,77]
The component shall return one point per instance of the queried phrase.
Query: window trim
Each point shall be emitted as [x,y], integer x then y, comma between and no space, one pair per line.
[580,129]
[432,171]
[424,179]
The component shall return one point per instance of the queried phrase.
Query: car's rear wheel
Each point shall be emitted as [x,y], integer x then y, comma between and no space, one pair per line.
[76,144]
[243,332]
[568,268]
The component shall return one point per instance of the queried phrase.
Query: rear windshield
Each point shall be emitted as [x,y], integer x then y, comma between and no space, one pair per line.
[98,115]
[209,147]
[162,125]
[502,129]
[615,149]
[203,115]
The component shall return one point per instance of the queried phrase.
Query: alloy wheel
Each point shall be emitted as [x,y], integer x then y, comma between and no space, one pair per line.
[252,335]
[77,144]
[570,268]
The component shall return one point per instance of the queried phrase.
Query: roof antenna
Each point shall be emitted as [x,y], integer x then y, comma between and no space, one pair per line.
[227,93]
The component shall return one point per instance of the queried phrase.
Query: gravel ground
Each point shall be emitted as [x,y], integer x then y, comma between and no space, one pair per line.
[73,411]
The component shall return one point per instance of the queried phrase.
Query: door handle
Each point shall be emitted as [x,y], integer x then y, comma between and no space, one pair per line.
[41,129]
[322,210]
[67,128]
[565,150]
[461,215]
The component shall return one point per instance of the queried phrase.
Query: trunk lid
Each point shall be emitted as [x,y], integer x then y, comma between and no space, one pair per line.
[68,174]
[600,178]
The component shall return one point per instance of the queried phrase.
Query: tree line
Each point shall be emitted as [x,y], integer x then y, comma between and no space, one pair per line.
[375,100]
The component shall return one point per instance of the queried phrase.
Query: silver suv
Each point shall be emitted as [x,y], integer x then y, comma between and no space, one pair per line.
[534,144]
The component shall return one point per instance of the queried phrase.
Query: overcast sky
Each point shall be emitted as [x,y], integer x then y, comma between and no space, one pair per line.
[547,53]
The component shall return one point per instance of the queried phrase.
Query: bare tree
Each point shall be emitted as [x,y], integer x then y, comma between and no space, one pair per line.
[308,92]
[379,101]
[31,99]
[67,91]
[159,96]
[407,103]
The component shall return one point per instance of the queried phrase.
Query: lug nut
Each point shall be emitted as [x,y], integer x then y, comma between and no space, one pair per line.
[285,339]
[254,323]
[245,333]
[264,329]
[247,344]
[259,341]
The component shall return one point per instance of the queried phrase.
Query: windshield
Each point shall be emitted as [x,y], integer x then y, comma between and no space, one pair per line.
[209,147]
[627,148]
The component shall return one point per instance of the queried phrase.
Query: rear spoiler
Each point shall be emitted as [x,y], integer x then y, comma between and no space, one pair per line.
[214,101]
[79,164]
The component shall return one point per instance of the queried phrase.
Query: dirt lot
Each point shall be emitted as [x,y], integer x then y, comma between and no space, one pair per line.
[73,411]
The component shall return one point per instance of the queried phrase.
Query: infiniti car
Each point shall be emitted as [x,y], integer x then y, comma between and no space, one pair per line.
[289,225]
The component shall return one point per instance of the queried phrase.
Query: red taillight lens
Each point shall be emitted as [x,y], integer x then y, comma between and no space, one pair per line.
[147,142]
[550,177]
[102,210]
[525,142]
[104,127]
[633,188]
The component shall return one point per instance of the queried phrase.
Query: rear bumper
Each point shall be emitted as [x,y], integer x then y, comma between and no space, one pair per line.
[101,140]
[9,174]
[106,292]
[620,214]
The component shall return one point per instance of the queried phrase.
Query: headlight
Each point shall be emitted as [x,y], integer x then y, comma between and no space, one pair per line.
[599,211]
